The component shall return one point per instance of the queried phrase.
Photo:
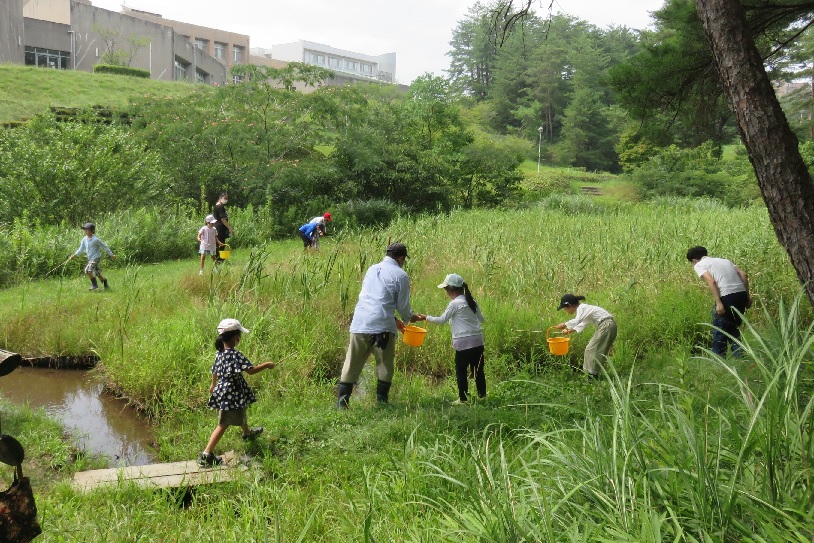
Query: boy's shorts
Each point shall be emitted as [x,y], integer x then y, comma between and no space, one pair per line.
[232,417]
[93,267]
[212,252]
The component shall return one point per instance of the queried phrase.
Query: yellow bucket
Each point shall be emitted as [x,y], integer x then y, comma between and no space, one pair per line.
[557,345]
[414,335]
[226,252]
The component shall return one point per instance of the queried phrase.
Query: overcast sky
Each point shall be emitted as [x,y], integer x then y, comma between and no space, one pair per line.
[418,31]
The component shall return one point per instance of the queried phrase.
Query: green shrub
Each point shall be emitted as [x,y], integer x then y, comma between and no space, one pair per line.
[698,172]
[120,70]
[575,203]
[367,213]
[72,172]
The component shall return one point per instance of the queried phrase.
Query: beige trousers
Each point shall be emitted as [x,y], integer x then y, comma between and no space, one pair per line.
[598,347]
[360,349]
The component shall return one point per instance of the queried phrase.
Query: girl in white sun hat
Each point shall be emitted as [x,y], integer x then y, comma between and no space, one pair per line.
[465,318]
[229,393]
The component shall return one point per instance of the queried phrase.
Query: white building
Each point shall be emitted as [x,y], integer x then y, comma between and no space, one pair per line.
[347,63]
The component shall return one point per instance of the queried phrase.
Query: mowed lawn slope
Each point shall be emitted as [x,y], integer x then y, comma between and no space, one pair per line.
[26,91]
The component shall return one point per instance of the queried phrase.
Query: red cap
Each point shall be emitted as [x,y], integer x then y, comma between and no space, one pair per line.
[327,216]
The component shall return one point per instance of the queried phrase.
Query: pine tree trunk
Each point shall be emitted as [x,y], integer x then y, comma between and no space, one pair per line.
[784,181]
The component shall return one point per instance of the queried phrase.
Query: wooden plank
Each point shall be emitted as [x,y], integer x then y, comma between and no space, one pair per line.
[169,475]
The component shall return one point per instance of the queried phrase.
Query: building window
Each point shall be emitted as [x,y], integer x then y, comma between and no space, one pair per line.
[200,77]
[220,50]
[202,44]
[180,70]
[237,53]
[367,69]
[334,62]
[47,58]
[350,65]
[237,79]
[317,59]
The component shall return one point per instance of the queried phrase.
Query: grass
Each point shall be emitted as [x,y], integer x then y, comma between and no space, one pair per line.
[663,446]
[26,91]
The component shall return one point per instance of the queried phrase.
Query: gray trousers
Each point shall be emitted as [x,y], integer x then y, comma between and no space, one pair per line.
[597,349]
[360,349]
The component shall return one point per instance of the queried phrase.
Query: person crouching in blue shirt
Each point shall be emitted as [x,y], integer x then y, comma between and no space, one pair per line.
[93,247]
[385,290]
[308,233]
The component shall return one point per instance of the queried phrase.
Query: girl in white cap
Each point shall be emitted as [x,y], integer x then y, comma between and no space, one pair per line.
[230,394]
[600,344]
[465,318]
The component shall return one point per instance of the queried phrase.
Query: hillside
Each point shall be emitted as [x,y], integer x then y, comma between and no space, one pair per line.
[26,91]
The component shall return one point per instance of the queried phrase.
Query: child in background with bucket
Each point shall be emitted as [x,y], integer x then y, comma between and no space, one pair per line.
[600,344]
[229,392]
[93,247]
[465,318]
[208,238]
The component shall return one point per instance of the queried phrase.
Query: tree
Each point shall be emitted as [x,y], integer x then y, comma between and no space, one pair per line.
[119,50]
[472,53]
[784,180]
[733,30]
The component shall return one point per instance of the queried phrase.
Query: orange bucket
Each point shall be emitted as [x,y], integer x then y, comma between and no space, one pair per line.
[414,335]
[557,345]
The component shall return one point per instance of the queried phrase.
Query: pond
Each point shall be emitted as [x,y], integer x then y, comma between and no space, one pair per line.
[99,423]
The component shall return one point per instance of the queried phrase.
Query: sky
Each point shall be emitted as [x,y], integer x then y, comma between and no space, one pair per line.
[418,31]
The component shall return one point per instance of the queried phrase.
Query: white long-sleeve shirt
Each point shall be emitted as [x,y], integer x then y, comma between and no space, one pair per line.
[385,290]
[463,322]
[587,314]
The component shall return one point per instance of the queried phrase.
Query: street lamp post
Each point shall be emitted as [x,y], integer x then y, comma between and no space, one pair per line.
[539,148]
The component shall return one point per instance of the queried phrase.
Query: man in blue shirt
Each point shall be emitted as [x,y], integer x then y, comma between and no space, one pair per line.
[385,290]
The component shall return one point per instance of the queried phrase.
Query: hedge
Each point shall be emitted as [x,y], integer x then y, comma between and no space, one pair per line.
[120,70]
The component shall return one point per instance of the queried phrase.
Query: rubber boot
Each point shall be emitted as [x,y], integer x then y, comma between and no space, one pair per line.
[344,390]
[382,391]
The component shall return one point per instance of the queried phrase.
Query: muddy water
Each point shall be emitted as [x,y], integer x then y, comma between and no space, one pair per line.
[99,423]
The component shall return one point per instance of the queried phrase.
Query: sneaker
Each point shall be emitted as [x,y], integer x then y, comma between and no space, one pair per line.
[200,272]
[207,460]
[253,433]
[93,287]
[460,402]
[105,284]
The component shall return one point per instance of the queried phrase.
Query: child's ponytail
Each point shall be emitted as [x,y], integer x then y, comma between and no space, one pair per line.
[226,338]
[470,301]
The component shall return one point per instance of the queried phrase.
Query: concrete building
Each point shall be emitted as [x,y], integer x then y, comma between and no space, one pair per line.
[73,34]
[11,32]
[346,64]
[229,48]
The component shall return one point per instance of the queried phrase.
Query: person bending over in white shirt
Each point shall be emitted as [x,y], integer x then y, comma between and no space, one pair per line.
[600,344]
[729,286]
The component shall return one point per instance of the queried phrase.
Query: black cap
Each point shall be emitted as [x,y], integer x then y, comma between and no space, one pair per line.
[88,226]
[568,300]
[396,250]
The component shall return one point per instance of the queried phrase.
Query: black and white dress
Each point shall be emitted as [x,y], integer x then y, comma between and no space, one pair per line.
[231,391]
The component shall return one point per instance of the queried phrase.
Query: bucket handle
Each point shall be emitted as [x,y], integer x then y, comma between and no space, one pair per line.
[557,331]
[225,247]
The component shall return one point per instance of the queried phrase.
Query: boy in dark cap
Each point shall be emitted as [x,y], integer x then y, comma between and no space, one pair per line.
[600,344]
